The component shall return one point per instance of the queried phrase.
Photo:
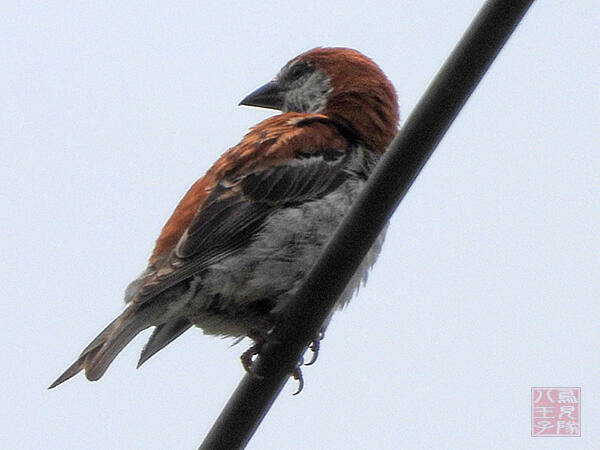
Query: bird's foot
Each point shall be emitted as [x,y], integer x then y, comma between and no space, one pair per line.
[260,336]
[247,358]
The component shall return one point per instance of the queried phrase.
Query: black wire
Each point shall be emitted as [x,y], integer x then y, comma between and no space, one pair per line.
[393,176]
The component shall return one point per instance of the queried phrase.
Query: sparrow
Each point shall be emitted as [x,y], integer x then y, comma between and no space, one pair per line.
[247,233]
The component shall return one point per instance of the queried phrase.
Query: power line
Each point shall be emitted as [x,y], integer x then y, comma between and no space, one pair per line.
[393,176]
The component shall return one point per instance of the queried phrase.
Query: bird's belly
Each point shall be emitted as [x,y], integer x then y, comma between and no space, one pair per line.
[238,294]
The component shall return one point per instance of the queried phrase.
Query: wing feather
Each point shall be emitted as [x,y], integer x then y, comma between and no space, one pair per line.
[237,210]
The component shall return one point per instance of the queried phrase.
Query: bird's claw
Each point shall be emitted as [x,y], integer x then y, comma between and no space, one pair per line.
[247,359]
[260,335]
[297,374]
[314,347]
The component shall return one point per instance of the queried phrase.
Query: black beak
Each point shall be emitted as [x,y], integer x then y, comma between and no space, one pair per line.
[271,96]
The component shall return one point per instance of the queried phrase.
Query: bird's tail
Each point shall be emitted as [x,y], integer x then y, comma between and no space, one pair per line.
[97,356]
[163,335]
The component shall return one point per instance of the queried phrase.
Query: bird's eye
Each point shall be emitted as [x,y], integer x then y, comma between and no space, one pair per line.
[297,70]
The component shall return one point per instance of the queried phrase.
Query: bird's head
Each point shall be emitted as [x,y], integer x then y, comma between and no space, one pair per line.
[342,84]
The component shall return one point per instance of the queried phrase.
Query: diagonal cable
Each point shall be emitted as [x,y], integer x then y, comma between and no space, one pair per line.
[393,176]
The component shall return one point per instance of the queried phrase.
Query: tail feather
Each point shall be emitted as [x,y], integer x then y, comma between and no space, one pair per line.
[163,335]
[73,370]
[98,355]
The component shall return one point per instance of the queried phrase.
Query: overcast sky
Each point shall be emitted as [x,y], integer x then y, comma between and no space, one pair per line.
[487,285]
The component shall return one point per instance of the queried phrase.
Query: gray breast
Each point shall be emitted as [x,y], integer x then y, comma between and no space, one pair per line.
[281,255]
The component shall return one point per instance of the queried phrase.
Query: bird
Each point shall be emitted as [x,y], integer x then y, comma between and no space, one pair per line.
[246,234]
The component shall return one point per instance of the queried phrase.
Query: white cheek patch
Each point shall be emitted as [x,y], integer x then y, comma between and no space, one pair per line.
[310,96]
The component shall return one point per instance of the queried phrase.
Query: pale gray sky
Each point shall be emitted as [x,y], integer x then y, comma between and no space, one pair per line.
[488,283]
